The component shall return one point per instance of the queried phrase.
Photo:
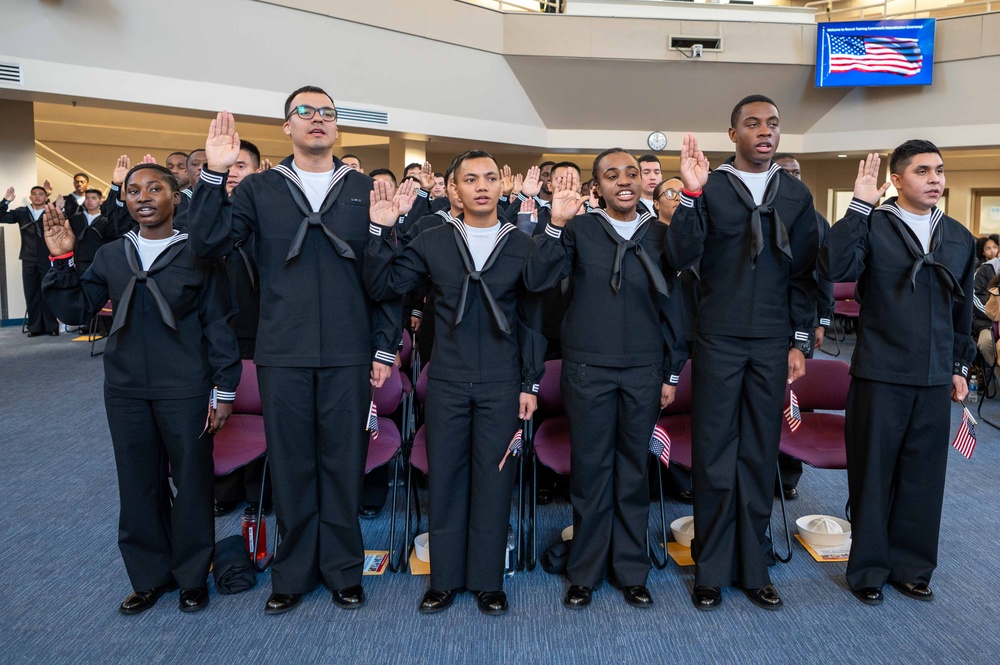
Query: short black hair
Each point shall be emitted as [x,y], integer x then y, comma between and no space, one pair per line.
[609,151]
[351,155]
[472,154]
[567,165]
[164,171]
[438,175]
[187,160]
[544,164]
[181,153]
[253,150]
[93,191]
[83,175]
[648,158]
[383,172]
[41,188]
[450,171]
[749,99]
[413,165]
[785,155]
[299,91]
[905,152]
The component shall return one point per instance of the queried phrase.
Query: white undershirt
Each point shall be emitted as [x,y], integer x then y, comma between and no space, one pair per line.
[649,205]
[150,249]
[79,198]
[36,212]
[625,229]
[90,218]
[756,183]
[481,242]
[315,185]
[920,225]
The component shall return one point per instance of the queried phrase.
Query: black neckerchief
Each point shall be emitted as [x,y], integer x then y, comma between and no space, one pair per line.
[146,276]
[623,245]
[779,235]
[315,218]
[473,275]
[922,259]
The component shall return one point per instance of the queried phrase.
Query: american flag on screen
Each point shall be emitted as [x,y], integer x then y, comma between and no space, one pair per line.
[792,413]
[884,55]
[965,439]
[659,445]
[373,420]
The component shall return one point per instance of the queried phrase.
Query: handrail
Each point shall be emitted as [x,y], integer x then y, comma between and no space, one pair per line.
[885,13]
[61,161]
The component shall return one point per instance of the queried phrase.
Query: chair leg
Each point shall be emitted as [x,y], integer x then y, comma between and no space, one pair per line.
[406,547]
[784,517]
[654,557]
[392,515]
[532,548]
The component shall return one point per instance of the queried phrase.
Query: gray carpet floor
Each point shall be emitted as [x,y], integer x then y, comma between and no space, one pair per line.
[61,576]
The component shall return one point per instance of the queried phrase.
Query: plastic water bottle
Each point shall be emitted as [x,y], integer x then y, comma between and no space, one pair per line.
[249,524]
[973,390]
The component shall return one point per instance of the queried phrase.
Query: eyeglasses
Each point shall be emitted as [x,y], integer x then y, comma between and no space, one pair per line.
[307,112]
[670,194]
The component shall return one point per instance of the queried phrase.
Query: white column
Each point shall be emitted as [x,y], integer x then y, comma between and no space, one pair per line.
[18,169]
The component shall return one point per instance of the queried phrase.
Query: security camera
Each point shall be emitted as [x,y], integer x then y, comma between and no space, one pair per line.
[697,50]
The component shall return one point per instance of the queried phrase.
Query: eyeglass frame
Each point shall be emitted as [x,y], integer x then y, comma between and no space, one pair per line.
[667,192]
[313,112]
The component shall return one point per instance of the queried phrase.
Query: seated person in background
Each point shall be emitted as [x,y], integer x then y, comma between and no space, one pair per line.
[170,359]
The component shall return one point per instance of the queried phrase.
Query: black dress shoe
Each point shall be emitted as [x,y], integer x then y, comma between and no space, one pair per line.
[685,497]
[225,507]
[578,597]
[544,496]
[791,493]
[869,595]
[34,334]
[282,602]
[917,590]
[140,601]
[194,599]
[435,601]
[637,596]
[350,598]
[492,602]
[706,598]
[766,597]
[369,512]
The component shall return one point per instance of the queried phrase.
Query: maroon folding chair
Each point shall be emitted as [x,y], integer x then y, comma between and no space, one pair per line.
[388,446]
[105,313]
[844,306]
[242,441]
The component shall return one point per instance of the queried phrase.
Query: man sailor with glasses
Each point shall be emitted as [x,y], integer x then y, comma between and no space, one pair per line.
[322,344]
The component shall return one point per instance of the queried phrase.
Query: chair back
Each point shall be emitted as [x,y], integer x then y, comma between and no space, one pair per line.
[682,398]
[824,386]
[248,393]
[406,350]
[422,384]
[844,290]
[550,399]
[388,397]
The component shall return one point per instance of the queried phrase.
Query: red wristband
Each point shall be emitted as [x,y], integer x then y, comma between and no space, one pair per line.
[692,194]
[67,255]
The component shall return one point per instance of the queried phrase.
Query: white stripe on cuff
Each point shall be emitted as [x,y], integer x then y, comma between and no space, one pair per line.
[824,322]
[686,201]
[553,231]
[385,357]
[375,230]
[860,207]
[211,179]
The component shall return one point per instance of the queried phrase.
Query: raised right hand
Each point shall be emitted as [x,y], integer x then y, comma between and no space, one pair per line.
[866,186]
[59,236]
[694,165]
[532,183]
[507,179]
[566,198]
[222,147]
[121,170]
[9,196]
[383,207]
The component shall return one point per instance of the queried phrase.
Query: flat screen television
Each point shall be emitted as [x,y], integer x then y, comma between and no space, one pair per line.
[875,53]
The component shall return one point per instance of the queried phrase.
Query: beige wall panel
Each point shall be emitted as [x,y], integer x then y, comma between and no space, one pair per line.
[991,34]
[959,39]
[563,37]
[780,44]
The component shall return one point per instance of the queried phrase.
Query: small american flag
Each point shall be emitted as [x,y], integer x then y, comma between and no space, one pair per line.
[792,413]
[883,55]
[514,449]
[373,420]
[965,439]
[659,445]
